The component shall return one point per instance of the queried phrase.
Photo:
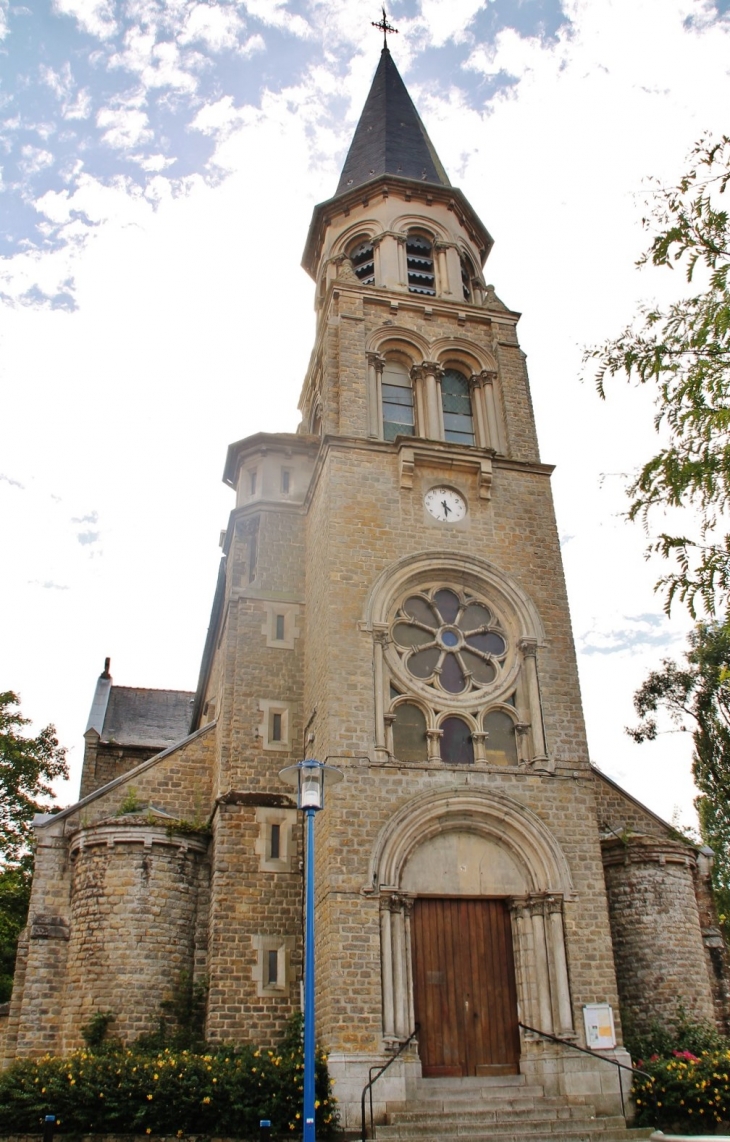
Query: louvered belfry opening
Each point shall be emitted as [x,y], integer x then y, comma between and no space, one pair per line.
[466,276]
[419,254]
[363,262]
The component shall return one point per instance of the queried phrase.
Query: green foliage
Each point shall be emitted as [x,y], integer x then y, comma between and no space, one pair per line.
[95,1032]
[27,765]
[684,352]
[696,696]
[220,1093]
[182,1017]
[685,1093]
[682,1034]
[15,884]
[130,804]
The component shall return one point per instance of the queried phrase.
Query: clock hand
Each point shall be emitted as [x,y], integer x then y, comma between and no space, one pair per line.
[446,507]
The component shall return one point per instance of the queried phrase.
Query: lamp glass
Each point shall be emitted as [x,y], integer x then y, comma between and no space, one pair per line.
[311,787]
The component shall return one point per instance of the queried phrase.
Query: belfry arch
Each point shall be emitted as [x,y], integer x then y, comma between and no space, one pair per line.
[475,844]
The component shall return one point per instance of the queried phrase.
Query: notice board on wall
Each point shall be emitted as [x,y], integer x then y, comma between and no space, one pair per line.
[600,1030]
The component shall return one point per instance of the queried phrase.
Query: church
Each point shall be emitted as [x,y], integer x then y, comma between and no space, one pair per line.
[390,601]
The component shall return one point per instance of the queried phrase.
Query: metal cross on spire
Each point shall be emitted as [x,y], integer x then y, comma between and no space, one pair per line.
[385,27]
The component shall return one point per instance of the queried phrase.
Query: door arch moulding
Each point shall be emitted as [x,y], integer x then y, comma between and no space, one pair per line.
[543,987]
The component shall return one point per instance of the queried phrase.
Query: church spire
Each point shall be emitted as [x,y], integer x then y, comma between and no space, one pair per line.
[390,137]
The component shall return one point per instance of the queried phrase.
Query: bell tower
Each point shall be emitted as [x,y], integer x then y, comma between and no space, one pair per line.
[459,864]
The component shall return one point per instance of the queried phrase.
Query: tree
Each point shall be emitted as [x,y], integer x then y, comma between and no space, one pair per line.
[684,352]
[27,766]
[696,696]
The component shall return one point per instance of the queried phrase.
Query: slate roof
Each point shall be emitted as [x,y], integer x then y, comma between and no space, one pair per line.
[151,718]
[390,137]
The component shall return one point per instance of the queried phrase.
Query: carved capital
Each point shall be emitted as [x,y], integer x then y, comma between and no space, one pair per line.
[554,904]
[380,634]
[479,736]
[528,646]
[377,360]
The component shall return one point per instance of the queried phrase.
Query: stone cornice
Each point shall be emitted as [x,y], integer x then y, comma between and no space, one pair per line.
[383,186]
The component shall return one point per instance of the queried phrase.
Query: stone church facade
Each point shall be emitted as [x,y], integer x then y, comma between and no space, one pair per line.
[390,600]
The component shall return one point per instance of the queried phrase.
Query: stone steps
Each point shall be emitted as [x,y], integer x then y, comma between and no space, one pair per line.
[499,1109]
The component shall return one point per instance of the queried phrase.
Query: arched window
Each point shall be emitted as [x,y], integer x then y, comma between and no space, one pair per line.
[397,398]
[467,273]
[419,256]
[409,734]
[456,402]
[457,748]
[501,746]
[363,262]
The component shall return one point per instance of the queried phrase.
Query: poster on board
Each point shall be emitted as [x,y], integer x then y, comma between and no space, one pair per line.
[600,1030]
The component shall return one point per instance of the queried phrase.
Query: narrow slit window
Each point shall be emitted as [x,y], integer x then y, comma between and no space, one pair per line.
[456,403]
[397,397]
[419,256]
[273,967]
[275,845]
[280,628]
[276,727]
[363,262]
[285,480]
[252,482]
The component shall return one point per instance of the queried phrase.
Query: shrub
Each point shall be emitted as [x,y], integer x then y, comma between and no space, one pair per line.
[685,1093]
[223,1092]
[682,1033]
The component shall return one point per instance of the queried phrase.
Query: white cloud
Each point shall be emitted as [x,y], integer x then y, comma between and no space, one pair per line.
[152,162]
[216,26]
[95,16]
[4,27]
[156,64]
[123,127]
[274,13]
[34,159]
[81,106]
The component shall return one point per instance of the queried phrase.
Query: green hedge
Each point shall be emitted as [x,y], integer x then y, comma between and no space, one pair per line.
[116,1091]
[685,1093]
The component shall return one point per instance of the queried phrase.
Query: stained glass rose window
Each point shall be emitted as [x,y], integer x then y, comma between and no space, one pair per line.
[449,640]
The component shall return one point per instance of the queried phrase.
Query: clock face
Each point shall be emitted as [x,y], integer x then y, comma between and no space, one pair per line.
[445,505]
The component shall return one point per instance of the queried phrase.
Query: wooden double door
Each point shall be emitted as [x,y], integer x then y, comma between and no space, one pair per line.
[464,986]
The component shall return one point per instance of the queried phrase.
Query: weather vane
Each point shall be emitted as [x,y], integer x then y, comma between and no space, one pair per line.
[385,28]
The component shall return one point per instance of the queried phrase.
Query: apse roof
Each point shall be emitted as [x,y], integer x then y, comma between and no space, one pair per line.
[152,718]
[390,137]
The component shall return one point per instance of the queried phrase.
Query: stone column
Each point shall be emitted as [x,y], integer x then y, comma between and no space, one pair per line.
[434,744]
[479,737]
[400,968]
[494,421]
[542,973]
[476,383]
[528,646]
[376,361]
[524,959]
[402,261]
[562,1007]
[386,968]
[380,639]
[427,377]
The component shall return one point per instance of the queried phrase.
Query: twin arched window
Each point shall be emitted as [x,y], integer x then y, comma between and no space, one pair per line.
[398,405]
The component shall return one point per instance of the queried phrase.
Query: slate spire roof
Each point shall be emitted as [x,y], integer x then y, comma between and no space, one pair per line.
[390,137]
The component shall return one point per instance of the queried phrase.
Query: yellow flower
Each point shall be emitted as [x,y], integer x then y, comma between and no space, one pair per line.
[206,1100]
[149,1098]
[149,1130]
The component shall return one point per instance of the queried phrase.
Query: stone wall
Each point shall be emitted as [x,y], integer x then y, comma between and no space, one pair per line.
[655,925]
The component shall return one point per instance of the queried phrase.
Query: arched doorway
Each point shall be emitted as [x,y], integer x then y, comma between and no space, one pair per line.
[471,886]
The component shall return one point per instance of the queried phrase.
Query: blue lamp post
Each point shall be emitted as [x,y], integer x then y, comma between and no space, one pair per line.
[310,778]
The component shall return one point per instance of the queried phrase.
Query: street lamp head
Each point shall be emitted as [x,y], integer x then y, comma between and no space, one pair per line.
[310,778]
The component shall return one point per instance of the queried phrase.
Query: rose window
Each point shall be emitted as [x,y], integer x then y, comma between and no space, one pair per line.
[449,640]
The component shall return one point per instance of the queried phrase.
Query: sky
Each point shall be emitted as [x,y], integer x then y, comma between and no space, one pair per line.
[160,162]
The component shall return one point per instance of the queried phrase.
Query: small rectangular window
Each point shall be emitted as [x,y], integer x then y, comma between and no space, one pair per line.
[253,554]
[273,967]
[252,478]
[285,479]
[280,628]
[275,842]
[276,727]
